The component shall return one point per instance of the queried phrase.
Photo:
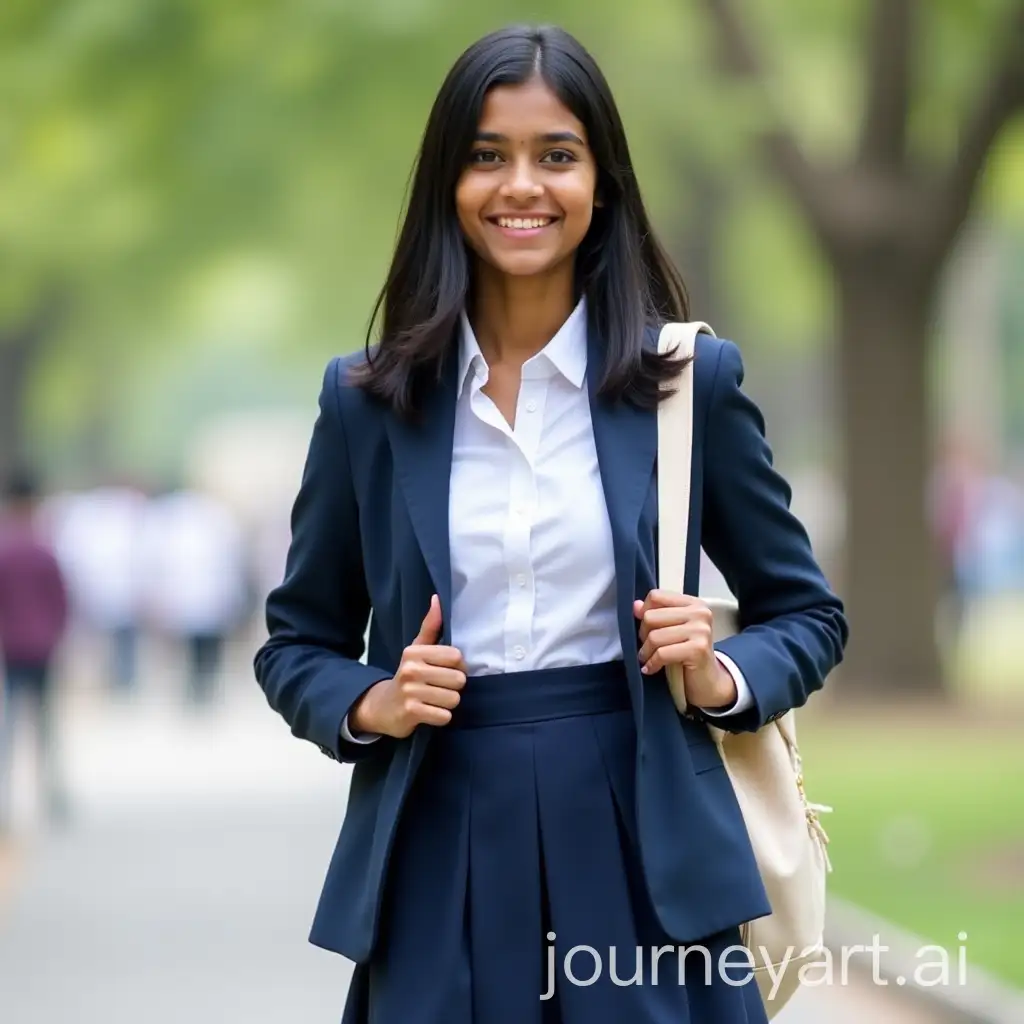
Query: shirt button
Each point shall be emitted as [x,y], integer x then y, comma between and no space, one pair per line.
[521,580]
[520,653]
[531,406]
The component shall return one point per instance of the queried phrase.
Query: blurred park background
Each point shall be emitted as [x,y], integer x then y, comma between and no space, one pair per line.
[197,206]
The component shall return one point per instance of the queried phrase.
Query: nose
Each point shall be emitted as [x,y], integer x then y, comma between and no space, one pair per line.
[521,182]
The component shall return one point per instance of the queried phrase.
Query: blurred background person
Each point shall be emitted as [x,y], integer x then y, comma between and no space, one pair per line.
[958,484]
[990,558]
[97,536]
[195,581]
[33,619]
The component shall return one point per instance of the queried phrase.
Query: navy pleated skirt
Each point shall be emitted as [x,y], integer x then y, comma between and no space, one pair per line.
[515,893]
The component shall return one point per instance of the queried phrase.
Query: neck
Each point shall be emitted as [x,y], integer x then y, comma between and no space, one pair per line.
[515,317]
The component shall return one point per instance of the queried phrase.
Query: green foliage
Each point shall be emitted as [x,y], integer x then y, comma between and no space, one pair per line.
[771,269]
[228,177]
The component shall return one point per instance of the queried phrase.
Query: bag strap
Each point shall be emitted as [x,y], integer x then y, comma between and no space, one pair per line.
[675,443]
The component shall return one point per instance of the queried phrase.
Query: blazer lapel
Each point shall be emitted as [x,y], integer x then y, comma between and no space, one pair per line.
[422,454]
[627,444]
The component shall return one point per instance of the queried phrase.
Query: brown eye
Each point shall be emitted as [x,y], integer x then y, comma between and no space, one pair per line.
[484,156]
[560,156]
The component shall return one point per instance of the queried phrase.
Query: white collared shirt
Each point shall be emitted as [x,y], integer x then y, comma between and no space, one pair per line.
[533,571]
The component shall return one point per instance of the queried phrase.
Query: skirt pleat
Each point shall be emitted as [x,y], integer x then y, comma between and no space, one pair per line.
[422,952]
[515,893]
[503,933]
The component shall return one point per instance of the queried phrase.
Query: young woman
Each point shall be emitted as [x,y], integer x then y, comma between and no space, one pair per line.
[533,832]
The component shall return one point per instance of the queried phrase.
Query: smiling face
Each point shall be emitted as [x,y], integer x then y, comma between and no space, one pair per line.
[526,197]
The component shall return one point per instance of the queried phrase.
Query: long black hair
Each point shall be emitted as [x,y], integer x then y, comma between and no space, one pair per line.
[628,279]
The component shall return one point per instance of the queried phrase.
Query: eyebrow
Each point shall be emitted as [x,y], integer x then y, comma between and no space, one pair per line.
[546,137]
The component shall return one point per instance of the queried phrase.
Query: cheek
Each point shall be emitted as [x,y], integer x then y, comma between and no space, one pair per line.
[469,201]
[468,204]
[578,208]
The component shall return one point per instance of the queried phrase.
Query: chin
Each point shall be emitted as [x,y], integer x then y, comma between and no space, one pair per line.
[524,265]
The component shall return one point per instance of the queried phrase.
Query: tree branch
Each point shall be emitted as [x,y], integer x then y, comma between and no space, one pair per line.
[1001,98]
[781,150]
[888,64]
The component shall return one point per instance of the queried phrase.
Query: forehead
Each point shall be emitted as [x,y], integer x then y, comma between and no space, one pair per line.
[525,110]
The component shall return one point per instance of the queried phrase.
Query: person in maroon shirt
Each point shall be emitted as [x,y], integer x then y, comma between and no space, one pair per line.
[33,618]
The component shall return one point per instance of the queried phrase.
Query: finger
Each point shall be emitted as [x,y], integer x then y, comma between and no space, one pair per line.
[697,632]
[641,609]
[659,615]
[434,696]
[435,675]
[688,653]
[661,598]
[660,618]
[675,615]
[430,628]
[429,714]
[436,654]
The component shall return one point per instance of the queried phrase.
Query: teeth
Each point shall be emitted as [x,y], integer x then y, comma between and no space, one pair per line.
[523,223]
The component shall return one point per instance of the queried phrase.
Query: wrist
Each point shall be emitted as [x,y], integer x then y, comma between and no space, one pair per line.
[725,693]
[361,715]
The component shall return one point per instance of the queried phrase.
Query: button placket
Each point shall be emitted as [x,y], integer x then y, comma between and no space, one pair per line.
[529,415]
[522,501]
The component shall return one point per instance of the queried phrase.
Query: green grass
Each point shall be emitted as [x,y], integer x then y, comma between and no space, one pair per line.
[921,813]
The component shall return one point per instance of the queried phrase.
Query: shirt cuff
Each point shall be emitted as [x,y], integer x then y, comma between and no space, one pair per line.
[744,696]
[363,737]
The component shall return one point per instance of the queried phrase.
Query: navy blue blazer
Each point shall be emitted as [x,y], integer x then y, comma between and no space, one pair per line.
[370,532]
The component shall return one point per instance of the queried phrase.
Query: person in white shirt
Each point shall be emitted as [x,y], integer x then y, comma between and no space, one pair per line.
[194,559]
[534,834]
[98,535]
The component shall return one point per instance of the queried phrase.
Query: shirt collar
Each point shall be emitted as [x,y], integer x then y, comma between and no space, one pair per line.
[565,353]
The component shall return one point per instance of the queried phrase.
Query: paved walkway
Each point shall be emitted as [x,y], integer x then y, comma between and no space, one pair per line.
[184,889]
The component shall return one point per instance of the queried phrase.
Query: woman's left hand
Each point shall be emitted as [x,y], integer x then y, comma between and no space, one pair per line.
[677,630]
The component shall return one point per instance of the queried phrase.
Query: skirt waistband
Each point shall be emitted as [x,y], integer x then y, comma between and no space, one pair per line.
[542,695]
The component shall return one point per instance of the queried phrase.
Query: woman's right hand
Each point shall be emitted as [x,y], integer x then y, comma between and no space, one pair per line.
[424,690]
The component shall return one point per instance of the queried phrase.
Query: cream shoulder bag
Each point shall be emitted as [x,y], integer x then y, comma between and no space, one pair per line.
[765,767]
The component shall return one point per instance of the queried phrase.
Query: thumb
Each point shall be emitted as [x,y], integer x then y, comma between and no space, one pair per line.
[430,629]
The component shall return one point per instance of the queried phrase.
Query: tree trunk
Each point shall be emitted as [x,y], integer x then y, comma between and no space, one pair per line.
[14,371]
[21,347]
[697,242]
[892,580]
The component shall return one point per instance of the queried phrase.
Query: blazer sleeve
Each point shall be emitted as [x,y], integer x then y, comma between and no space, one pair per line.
[309,666]
[793,630]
